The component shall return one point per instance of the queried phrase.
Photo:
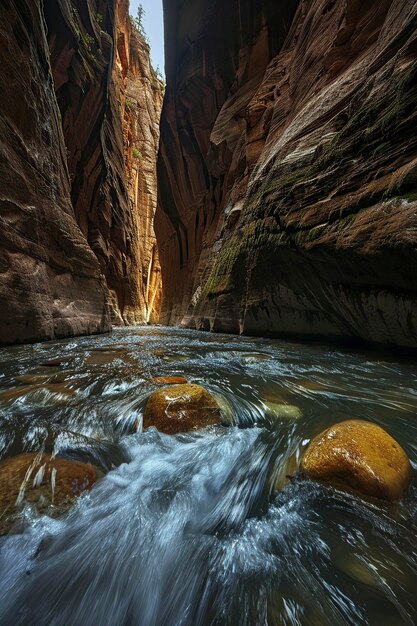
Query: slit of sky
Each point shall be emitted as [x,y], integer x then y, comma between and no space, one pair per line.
[153,23]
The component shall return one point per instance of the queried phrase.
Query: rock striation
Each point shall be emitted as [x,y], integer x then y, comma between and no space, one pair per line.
[143,94]
[77,97]
[288,169]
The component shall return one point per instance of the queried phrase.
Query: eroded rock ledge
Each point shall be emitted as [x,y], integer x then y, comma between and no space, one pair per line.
[79,114]
[288,169]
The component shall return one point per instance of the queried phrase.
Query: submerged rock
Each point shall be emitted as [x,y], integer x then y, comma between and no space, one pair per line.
[281,410]
[59,390]
[227,412]
[359,456]
[39,379]
[54,363]
[181,408]
[355,567]
[169,380]
[282,473]
[104,357]
[176,357]
[42,481]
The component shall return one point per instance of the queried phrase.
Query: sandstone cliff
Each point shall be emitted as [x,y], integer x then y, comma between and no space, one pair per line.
[288,168]
[141,97]
[71,220]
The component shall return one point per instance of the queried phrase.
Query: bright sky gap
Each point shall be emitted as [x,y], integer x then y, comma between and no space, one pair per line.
[153,23]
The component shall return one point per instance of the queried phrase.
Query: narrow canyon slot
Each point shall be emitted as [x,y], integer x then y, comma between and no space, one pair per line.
[208,312]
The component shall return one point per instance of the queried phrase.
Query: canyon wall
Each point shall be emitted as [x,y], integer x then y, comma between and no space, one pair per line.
[288,169]
[141,98]
[78,101]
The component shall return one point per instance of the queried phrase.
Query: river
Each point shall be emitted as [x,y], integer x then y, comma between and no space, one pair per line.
[205,528]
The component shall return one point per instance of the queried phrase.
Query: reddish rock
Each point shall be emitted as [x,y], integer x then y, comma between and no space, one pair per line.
[50,280]
[77,246]
[287,169]
[110,100]
[41,481]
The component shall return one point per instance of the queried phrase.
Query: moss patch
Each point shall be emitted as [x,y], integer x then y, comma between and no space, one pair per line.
[359,153]
[371,133]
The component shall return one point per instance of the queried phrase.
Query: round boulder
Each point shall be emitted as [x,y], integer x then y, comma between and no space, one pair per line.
[359,456]
[181,408]
[42,481]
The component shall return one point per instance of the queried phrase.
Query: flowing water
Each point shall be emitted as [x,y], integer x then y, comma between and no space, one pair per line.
[205,528]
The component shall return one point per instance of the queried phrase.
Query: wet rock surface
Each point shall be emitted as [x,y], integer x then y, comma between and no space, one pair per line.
[42,481]
[181,408]
[361,456]
[169,380]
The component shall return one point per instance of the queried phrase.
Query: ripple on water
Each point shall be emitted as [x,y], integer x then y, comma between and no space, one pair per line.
[206,528]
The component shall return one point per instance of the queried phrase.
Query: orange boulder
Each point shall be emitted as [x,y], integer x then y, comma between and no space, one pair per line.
[42,481]
[181,408]
[359,456]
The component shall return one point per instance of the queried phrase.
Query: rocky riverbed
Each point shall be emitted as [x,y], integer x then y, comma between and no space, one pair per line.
[217,525]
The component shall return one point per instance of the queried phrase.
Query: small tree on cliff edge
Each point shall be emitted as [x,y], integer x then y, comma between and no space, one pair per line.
[138,21]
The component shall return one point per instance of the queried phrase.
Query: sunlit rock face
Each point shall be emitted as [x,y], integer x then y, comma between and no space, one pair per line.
[141,94]
[288,169]
[110,101]
[78,101]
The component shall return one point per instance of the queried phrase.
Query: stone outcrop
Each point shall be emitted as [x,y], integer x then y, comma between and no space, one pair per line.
[77,97]
[361,457]
[288,169]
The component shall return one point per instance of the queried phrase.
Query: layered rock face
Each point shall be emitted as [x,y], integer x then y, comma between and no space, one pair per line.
[288,169]
[141,94]
[69,251]
[50,280]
